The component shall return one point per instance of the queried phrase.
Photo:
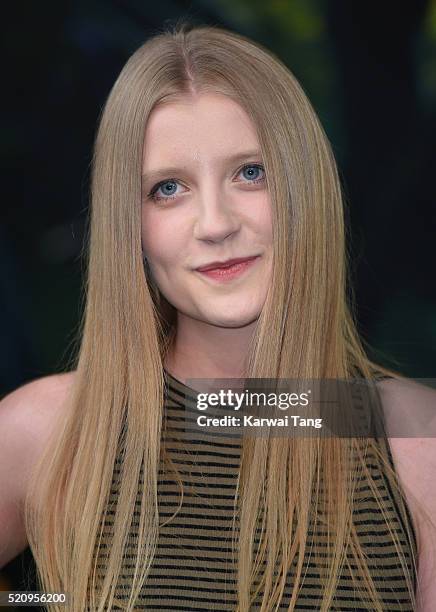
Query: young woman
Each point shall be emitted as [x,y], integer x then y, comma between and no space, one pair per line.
[208,151]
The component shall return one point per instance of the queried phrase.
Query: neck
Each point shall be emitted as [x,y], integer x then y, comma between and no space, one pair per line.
[201,350]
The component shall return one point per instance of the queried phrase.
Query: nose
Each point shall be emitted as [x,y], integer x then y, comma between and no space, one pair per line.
[215,219]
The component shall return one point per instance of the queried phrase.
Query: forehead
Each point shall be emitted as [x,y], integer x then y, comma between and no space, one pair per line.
[207,124]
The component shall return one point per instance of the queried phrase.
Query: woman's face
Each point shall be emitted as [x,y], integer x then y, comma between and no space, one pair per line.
[202,160]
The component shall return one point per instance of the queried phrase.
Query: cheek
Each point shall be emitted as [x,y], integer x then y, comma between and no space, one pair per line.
[264,220]
[161,242]
[152,233]
[145,224]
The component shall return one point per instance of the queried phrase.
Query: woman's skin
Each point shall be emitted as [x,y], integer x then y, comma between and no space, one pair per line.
[215,211]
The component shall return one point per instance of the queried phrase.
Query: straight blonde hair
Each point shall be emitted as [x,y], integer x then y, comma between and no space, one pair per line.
[116,403]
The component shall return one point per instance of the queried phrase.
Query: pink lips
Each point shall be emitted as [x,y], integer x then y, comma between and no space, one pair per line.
[223,264]
[228,272]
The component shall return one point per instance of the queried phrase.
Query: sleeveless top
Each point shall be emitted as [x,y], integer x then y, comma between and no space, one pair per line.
[193,570]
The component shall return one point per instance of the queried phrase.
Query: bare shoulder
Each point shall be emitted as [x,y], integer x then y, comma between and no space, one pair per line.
[409,410]
[410,414]
[27,416]
[30,410]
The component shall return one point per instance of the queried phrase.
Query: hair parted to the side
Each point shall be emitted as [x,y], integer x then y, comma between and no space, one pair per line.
[127,327]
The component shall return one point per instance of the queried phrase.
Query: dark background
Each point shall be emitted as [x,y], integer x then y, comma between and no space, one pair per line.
[369,69]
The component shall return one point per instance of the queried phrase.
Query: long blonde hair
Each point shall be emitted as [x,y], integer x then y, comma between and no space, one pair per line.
[306,330]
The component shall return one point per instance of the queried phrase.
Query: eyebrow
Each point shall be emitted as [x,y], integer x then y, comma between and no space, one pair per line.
[162,173]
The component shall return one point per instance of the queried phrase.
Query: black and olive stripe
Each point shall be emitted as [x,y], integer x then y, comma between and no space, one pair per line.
[193,569]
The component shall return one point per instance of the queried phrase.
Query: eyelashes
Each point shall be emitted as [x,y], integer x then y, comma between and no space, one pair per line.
[153,192]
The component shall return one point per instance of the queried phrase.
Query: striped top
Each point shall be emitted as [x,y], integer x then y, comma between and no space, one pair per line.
[193,571]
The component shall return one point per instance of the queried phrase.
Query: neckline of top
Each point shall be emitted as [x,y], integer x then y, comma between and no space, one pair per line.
[176,388]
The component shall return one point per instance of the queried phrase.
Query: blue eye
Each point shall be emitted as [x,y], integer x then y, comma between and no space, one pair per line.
[169,186]
[257,168]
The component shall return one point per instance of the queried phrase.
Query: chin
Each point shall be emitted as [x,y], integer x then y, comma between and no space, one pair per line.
[233,321]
